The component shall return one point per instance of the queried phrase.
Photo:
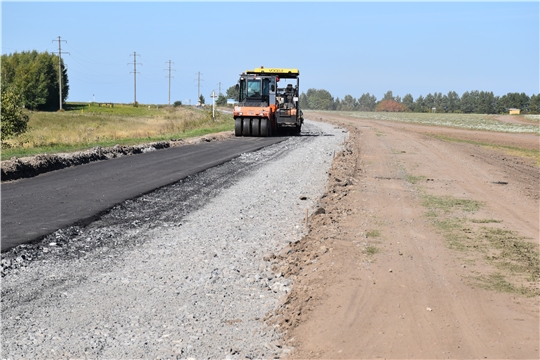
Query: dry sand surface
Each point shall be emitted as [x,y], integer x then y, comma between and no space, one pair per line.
[377,278]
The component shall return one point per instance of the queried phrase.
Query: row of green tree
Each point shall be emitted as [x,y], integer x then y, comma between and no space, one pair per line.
[479,102]
[33,77]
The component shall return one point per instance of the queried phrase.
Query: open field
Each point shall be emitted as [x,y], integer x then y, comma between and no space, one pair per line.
[513,135]
[527,123]
[82,127]
[425,245]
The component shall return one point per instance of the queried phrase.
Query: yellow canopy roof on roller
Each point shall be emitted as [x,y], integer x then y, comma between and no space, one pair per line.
[282,72]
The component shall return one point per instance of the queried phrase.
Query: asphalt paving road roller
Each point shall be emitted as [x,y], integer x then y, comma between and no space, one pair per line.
[268,103]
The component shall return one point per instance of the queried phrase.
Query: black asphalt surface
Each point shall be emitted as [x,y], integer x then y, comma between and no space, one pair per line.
[38,206]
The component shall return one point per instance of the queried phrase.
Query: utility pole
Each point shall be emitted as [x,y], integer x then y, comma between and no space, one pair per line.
[170,79]
[213,96]
[199,87]
[219,88]
[135,77]
[60,66]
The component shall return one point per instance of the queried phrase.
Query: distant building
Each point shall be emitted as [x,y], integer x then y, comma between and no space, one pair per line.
[514,111]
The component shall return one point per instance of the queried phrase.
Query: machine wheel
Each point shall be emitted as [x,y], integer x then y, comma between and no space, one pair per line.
[265,128]
[238,127]
[255,127]
[246,128]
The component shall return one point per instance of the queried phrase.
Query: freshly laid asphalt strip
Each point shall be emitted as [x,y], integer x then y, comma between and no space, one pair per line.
[38,206]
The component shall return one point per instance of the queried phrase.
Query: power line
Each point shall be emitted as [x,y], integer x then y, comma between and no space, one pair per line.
[60,66]
[169,79]
[135,77]
[148,78]
[90,60]
[95,80]
[76,60]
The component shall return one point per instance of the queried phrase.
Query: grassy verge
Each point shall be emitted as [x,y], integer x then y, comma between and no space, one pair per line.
[462,121]
[532,118]
[510,150]
[513,259]
[83,127]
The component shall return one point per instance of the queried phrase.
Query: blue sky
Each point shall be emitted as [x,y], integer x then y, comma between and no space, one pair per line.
[346,48]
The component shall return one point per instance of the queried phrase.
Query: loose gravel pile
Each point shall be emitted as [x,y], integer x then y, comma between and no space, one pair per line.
[183,272]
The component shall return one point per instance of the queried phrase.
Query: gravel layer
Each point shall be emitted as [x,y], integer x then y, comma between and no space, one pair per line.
[182,272]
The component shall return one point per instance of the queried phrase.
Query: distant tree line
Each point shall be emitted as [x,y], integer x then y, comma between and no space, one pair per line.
[33,77]
[470,102]
[478,102]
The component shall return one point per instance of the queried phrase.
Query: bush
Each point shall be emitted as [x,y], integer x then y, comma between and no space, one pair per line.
[390,106]
[14,120]
[221,100]
[177,103]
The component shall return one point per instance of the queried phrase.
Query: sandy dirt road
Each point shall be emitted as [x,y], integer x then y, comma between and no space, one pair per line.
[403,257]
